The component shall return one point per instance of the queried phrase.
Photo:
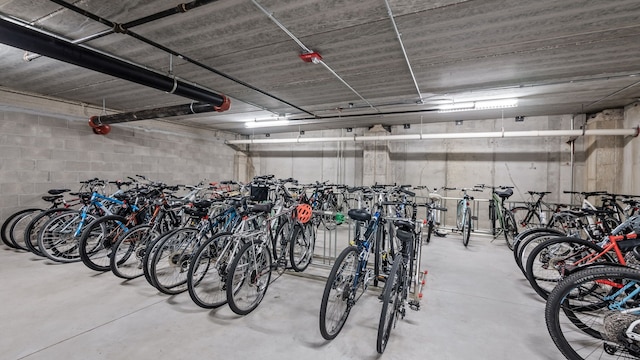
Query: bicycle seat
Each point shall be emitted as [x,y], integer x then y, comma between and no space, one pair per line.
[202,204]
[505,194]
[196,212]
[257,208]
[51,198]
[433,196]
[359,214]
[403,225]
[58,191]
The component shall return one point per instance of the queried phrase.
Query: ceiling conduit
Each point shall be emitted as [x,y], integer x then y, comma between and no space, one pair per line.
[182,8]
[496,134]
[27,39]
[100,124]
[120,28]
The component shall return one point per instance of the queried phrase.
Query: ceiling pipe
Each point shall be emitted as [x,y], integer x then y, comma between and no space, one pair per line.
[404,52]
[316,59]
[179,9]
[122,29]
[27,39]
[100,124]
[496,134]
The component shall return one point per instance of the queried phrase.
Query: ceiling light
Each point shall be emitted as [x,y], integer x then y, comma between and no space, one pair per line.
[495,104]
[259,124]
[478,105]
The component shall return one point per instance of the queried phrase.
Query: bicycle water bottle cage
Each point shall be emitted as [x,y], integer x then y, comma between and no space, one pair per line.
[403,225]
[505,194]
[359,214]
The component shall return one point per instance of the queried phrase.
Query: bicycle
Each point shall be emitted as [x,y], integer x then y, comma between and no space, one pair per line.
[350,276]
[594,314]
[499,214]
[464,219]
[400,282]
[553,259]
[532,214]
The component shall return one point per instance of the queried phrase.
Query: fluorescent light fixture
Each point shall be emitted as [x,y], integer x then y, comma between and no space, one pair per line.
[259,124]
[496,104]
[479,105]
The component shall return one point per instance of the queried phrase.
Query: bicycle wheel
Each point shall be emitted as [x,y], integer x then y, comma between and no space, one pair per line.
[302,242]
[98,239]
[57,240]
[128,252]
[530,243]
[8,236]
[552,260]
[429,230]
[524,235]
[339,293]
[524,218]
[390,305]
[170,264]
[150,252]
[249,276]
[207,276]
[510,228]
[585,314]
[466,227]
[33,228]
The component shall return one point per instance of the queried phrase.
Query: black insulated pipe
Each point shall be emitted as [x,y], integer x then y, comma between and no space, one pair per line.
[169,111]
[30,40]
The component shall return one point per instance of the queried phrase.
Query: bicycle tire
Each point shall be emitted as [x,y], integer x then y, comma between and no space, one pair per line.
[542,277]
[148,256]
[302,244]
[529,244]
[523,235]
[8,238]
[249,277]
[171,261]
[35,225]
[510,229]
[207,275]
[56,238]
[390,305]
[466,228]
[565,323]
[126,259]
[429,231]
[335,308]
[98,238]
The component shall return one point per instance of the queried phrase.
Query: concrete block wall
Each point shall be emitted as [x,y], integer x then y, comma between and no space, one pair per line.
[40,152]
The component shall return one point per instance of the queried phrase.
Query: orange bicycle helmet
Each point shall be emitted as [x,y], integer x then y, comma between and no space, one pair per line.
[303,212]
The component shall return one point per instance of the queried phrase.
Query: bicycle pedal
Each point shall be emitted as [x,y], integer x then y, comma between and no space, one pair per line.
[382,278]
[414,305]
[474,218]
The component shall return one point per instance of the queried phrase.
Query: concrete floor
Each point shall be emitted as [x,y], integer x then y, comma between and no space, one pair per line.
[477,305]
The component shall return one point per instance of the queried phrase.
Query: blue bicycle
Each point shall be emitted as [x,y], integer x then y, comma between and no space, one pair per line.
[349,277]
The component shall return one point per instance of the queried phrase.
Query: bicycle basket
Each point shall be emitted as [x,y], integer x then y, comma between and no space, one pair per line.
[259,192]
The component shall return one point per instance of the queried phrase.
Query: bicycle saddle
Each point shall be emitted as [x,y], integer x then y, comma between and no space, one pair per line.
[505,194]
[404,235]
[202,204]
[359,214]
[58,191]
[51,198]
[403,225]
[260,208]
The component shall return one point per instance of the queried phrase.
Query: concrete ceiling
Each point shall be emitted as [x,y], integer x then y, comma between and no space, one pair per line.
[556,57]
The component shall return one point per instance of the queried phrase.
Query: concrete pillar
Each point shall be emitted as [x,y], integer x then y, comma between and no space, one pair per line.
[630,174]
[376,158]
[603,154]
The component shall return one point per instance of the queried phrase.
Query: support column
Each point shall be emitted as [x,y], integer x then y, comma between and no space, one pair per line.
[603,154]
[376,158]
